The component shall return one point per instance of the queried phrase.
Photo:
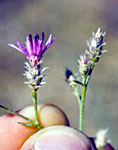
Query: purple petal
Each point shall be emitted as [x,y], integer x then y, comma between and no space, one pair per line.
[37,43]
[49,40]
[36,38]
[23,49]
[42,39]
[48,43]
[30,40]
[28,46]
[13,46]
[17,48]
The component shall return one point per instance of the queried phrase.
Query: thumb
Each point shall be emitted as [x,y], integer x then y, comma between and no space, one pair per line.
[57,138]
[13,135]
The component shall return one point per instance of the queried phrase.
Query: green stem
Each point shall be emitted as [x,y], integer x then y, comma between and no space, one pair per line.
[77,95]
[81,116]
[16,114]
[34,96]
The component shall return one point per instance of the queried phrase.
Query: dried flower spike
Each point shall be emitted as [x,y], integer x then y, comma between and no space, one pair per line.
[87,62]
[95,45]
[34,75]
[83,64]
[35,48]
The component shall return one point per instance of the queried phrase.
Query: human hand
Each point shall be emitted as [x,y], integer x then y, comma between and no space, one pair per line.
[13,134]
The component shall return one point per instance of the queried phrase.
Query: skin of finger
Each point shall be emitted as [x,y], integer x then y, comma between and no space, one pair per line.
[59,138]
[52,115]
[13,135]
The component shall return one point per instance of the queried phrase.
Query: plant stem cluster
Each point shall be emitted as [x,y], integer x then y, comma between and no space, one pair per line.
[86,62]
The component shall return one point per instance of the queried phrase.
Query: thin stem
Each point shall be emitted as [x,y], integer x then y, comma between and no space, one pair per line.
[77,95]
[85,81]
[34,96]
[17,114]
[81,116]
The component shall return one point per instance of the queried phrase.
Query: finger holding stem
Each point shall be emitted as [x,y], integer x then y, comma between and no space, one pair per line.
[17,114]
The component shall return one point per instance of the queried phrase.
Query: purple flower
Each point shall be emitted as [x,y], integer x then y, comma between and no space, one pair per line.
[35,48]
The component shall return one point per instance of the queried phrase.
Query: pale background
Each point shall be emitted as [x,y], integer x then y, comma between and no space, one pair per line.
[71,22]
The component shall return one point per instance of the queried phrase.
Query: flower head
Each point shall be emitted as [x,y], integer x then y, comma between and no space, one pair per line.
[95,44]
[34,75]
[83,64]
[34,48]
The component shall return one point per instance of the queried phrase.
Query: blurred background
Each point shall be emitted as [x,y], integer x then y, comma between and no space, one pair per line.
[71,22]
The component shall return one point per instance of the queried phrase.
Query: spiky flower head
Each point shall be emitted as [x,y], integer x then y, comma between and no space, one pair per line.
[35,76]
[95,45]
[34,48]
[83,64]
